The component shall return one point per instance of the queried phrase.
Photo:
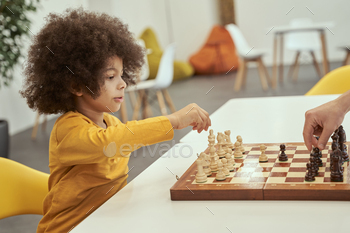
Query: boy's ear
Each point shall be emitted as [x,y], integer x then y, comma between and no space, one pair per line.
[75,90]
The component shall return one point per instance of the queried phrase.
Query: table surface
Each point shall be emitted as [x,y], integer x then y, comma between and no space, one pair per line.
[263,120]
[314,27]
[144,205]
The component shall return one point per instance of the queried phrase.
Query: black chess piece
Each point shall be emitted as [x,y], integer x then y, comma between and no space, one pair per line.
[342,145]
[309,176]
[314,166]
[336,171]
[318,154]
[283,157]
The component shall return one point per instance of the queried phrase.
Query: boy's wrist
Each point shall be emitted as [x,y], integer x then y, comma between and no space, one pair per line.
[173,120]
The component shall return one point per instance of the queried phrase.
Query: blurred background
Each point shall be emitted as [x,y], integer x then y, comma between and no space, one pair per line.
[223,49]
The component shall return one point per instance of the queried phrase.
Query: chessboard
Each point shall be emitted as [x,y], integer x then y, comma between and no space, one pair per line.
[272,180]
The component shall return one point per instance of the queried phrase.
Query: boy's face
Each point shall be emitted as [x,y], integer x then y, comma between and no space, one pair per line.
[112,92]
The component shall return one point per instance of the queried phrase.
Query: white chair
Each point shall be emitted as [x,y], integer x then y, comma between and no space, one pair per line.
[302,42]
[162,81]
[247,54]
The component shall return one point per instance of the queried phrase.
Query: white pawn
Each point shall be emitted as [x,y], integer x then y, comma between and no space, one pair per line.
[228,139]
[206,163]
[211,137]
[213,162]
[239,138]
[220,175]
[225,169]
[263,158]
[238,152]
[201,177]
[230,161]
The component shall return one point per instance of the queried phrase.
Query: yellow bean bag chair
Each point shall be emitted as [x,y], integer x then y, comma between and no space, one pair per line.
[335,82]
[182,69]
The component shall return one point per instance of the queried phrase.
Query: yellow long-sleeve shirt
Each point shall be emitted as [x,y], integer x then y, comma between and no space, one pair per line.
[88,164]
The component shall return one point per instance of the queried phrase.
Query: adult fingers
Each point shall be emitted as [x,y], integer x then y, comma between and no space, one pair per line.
[326,133]
[308,134]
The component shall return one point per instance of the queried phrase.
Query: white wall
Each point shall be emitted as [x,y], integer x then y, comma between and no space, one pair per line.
[13,107]
[191,22]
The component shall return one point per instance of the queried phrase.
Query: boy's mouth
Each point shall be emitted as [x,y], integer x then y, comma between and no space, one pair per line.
[119,99]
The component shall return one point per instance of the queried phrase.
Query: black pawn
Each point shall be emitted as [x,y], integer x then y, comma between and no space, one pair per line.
[314,166]
[318,154]
[283,157]
[309,176]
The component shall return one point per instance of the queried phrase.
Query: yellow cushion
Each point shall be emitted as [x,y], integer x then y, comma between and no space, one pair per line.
[182,69]
[335,82]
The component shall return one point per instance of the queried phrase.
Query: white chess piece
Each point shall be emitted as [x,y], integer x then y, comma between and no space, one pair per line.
[221,142]
[201,177]
[220,175]
[228,139]
[213,162]
[230,161]
[225,169]
[206,163]
[237,153]
[211,137]
[263,158]
[239,138]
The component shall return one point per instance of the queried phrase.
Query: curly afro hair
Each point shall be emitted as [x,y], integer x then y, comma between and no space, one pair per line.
[70,52]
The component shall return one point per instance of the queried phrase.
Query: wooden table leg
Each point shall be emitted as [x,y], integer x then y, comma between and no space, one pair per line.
[161,103]
[274,65]
[281,59]
[324,53]
[137,106]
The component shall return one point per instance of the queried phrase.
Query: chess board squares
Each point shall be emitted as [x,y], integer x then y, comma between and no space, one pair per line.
[276,180]
[302,156]
[280,169]
[227,180]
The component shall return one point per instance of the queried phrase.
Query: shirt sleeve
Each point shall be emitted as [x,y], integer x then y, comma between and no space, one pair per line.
[80,142]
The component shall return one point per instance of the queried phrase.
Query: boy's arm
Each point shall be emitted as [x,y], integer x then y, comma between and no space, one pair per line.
[81,143]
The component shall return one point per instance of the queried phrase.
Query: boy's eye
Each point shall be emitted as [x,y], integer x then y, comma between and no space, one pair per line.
[111,77]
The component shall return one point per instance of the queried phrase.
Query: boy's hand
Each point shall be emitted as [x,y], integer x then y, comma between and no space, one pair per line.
[191,115]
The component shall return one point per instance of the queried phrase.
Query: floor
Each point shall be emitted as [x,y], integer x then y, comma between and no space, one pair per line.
[209,92]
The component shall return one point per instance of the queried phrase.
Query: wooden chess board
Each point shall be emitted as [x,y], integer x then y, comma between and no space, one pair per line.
[273,180]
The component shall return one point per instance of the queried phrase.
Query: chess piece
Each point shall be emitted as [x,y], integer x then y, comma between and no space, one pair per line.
[221,142]
[228,138]
[220,175]
[336,173]
[206,163]
[201,177]
[213,162]
[283,157]
[263,158]
[211,137]
[309,175]
[238,152]
[314,166]
[342,146]
[230,161]
[318,155]
[225,169]
[239,138]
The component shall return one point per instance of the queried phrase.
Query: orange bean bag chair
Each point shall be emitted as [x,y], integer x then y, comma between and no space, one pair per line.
[218,55]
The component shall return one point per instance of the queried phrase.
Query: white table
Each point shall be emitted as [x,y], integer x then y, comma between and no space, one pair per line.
[144,205]
[264,120]
[279,33]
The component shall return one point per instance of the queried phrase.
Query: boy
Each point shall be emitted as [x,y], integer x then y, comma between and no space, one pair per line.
[80,64]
